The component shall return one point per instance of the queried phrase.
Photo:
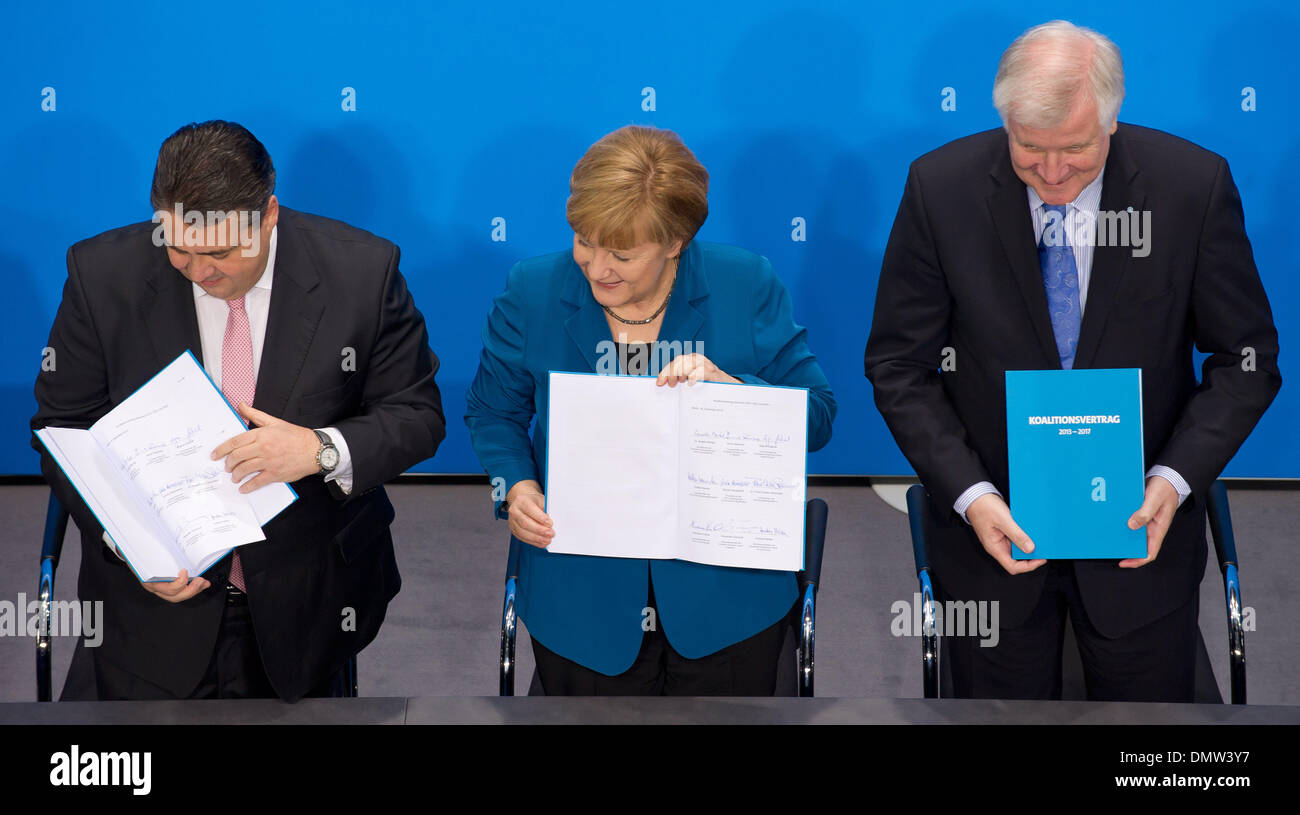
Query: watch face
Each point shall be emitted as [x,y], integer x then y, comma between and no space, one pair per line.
[329,458]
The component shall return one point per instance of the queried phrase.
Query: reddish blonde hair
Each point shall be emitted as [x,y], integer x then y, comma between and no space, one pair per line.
[638,184]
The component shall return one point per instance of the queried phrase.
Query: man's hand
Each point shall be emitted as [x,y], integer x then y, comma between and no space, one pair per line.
[528,520]
[990,517]
[179,590]
[276,450]
[1159,503]
[692,368]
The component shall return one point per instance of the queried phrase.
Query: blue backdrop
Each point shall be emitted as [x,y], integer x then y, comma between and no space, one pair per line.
[470,112]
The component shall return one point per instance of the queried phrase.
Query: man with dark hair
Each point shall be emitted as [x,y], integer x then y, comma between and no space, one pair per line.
[213,163]
[307,327]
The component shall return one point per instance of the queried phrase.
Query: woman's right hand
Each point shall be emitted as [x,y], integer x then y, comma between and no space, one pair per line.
[528,519]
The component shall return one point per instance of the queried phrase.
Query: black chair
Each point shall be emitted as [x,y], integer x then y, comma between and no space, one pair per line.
[1224,547]
[56,525]
[803,615]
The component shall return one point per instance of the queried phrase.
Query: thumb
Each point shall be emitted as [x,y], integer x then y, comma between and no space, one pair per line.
[255,416]
[1144,514]
[1016,535]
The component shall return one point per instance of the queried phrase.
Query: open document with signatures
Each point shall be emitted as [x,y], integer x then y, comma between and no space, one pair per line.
[145,470]
[711,473]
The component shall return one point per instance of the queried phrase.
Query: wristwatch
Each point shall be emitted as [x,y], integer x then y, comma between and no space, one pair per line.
[327,458]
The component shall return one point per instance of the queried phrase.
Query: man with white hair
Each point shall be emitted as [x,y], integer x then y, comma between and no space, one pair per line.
[997,262]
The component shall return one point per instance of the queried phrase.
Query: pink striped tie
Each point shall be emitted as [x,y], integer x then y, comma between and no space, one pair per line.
[237,383]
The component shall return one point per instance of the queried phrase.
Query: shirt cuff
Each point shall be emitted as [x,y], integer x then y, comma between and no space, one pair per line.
[342,474]
[1174,478]
[972,492]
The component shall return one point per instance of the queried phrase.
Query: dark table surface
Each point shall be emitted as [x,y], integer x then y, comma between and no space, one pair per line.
[636,710]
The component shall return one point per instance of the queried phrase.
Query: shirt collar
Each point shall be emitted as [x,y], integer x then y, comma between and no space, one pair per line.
[265,281]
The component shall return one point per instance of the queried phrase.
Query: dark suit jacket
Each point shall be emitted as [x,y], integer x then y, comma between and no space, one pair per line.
[126,312]
[961,270]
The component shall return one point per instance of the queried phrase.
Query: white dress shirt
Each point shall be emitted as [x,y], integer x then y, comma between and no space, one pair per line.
[1080,227]
[213,313]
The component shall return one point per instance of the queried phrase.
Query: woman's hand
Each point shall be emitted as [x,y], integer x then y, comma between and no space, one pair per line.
[692,368]
[528,520]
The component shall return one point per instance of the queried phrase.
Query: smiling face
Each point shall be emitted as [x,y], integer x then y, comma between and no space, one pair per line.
[222,265]
[636,279]
[1058,162]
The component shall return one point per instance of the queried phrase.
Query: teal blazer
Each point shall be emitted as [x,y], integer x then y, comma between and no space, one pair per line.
[589,609]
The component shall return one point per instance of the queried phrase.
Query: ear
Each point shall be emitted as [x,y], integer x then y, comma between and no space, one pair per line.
[1114,126]
[270,214]
[676,249]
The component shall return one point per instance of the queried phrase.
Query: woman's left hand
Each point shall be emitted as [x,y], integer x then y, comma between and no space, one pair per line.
[692,368]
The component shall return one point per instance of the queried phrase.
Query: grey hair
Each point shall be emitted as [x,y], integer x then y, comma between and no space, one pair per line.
[1043,73]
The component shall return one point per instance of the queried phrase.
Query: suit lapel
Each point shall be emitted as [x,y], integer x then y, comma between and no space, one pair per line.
[683,320]
[1009,207]
[296,308]
[1119,192]
[587,326]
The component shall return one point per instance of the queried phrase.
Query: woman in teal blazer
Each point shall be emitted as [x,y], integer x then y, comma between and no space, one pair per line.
[712,312]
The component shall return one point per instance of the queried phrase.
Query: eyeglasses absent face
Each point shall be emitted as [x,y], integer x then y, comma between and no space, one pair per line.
[226,259]
[1059,162]
[619,277]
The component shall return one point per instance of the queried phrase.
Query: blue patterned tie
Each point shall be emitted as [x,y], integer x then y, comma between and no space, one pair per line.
[1061,280]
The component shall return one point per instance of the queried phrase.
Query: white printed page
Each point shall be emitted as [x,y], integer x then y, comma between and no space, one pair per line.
[743,475]
[162,437]
[611,466]
[270,500]
[146,546]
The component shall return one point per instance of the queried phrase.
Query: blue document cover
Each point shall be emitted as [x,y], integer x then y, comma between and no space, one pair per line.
[1074,445]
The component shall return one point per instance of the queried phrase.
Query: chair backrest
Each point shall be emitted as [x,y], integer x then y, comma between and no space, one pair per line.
[815,512]
[512,559]
[916,499]
[56,526]
[1225,545]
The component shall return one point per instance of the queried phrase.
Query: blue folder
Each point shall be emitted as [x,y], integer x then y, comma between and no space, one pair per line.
[1074,446]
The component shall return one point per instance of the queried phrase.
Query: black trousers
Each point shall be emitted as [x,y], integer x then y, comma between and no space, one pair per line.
[235,671]
[1154,663]
[746,668]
